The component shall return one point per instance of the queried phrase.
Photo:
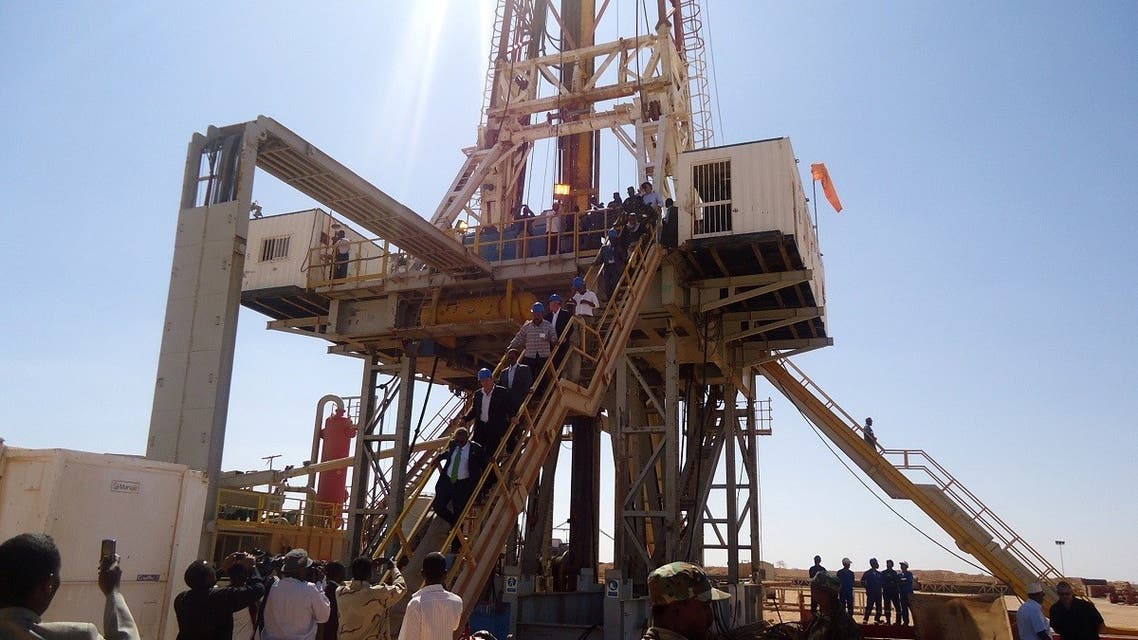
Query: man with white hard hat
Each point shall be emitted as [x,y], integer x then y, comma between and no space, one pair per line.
[1030,619]
[847,579]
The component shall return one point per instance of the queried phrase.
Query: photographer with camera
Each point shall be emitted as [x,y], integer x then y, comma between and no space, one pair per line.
[364,606]
[30,564]
[205,612]
[294,605]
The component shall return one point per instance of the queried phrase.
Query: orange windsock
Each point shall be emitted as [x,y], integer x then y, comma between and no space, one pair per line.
[821,174]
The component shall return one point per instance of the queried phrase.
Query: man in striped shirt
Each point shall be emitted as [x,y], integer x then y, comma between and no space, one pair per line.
[537,337]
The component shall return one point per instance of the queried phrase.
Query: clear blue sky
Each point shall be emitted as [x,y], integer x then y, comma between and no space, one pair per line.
[981,280]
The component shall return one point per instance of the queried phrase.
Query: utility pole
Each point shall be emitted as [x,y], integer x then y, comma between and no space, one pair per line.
[1061,544]
[270,459]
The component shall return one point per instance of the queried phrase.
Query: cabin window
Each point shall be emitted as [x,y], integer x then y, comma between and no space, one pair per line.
[274,249]
[711,193]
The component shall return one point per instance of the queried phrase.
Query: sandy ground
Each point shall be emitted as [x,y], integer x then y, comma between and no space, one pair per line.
[1117,616]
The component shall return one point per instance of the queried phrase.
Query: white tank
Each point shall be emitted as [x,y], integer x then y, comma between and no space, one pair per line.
[153,509]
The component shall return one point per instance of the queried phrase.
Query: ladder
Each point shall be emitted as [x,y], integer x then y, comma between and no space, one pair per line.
[484,529]
[976,529]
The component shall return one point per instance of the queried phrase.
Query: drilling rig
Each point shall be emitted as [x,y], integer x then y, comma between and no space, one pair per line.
[724,287]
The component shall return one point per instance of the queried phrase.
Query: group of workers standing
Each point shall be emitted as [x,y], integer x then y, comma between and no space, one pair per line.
[890,590]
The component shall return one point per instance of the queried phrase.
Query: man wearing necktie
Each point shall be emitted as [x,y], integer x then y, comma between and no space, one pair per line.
[517,378]
[490,411]
[460,465]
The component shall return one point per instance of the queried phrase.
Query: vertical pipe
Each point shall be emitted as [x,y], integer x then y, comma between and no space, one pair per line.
[754,498]
[575,152]
[730,428]
[397,493]
[672,444]
[361,469]
[620,452]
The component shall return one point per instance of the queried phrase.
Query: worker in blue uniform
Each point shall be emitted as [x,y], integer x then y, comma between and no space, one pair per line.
[890,590]
[847,578]
[905,592]
[871,579]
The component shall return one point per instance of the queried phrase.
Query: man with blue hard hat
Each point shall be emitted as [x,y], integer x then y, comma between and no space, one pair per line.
[490,412]
[536,338]
[557,316]
[681,596]
[585,302]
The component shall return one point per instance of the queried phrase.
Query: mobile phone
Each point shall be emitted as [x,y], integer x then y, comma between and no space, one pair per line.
[107,554]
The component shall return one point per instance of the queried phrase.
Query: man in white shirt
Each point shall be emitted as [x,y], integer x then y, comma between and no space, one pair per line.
[1030,621]
[433,612]
[585,302]
[343,253]
[652,201]
[294,606]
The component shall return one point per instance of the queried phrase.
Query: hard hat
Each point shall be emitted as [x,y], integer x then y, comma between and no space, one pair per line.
[1034,587]
[484,374]
[537,308]
[613,233]
[846,561]
[578,281]
[555,297]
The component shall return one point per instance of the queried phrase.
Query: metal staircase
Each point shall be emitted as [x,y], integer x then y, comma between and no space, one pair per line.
[912,474]
[484,528]
[417,467]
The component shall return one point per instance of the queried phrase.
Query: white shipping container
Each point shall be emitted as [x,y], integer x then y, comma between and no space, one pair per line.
[285,252]
[747,188]
[153,509]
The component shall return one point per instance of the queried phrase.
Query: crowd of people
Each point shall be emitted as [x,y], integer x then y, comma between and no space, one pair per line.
[564,228]
[292,597]
[284,597]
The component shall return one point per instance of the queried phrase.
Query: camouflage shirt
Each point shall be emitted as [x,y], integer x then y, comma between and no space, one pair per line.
[836,626]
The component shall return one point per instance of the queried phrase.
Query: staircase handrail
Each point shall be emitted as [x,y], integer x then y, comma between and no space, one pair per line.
[959,495]
[983,515]
[506,500]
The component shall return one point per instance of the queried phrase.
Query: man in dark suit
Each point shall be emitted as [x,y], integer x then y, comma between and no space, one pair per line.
[557,316]
[461,466]
[517,378]
[559,319]
[491,412]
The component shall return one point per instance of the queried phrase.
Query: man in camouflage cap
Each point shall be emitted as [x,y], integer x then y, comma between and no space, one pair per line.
[681,595]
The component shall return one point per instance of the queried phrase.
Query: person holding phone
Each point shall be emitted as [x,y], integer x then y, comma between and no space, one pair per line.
[205,611]
[31,564]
